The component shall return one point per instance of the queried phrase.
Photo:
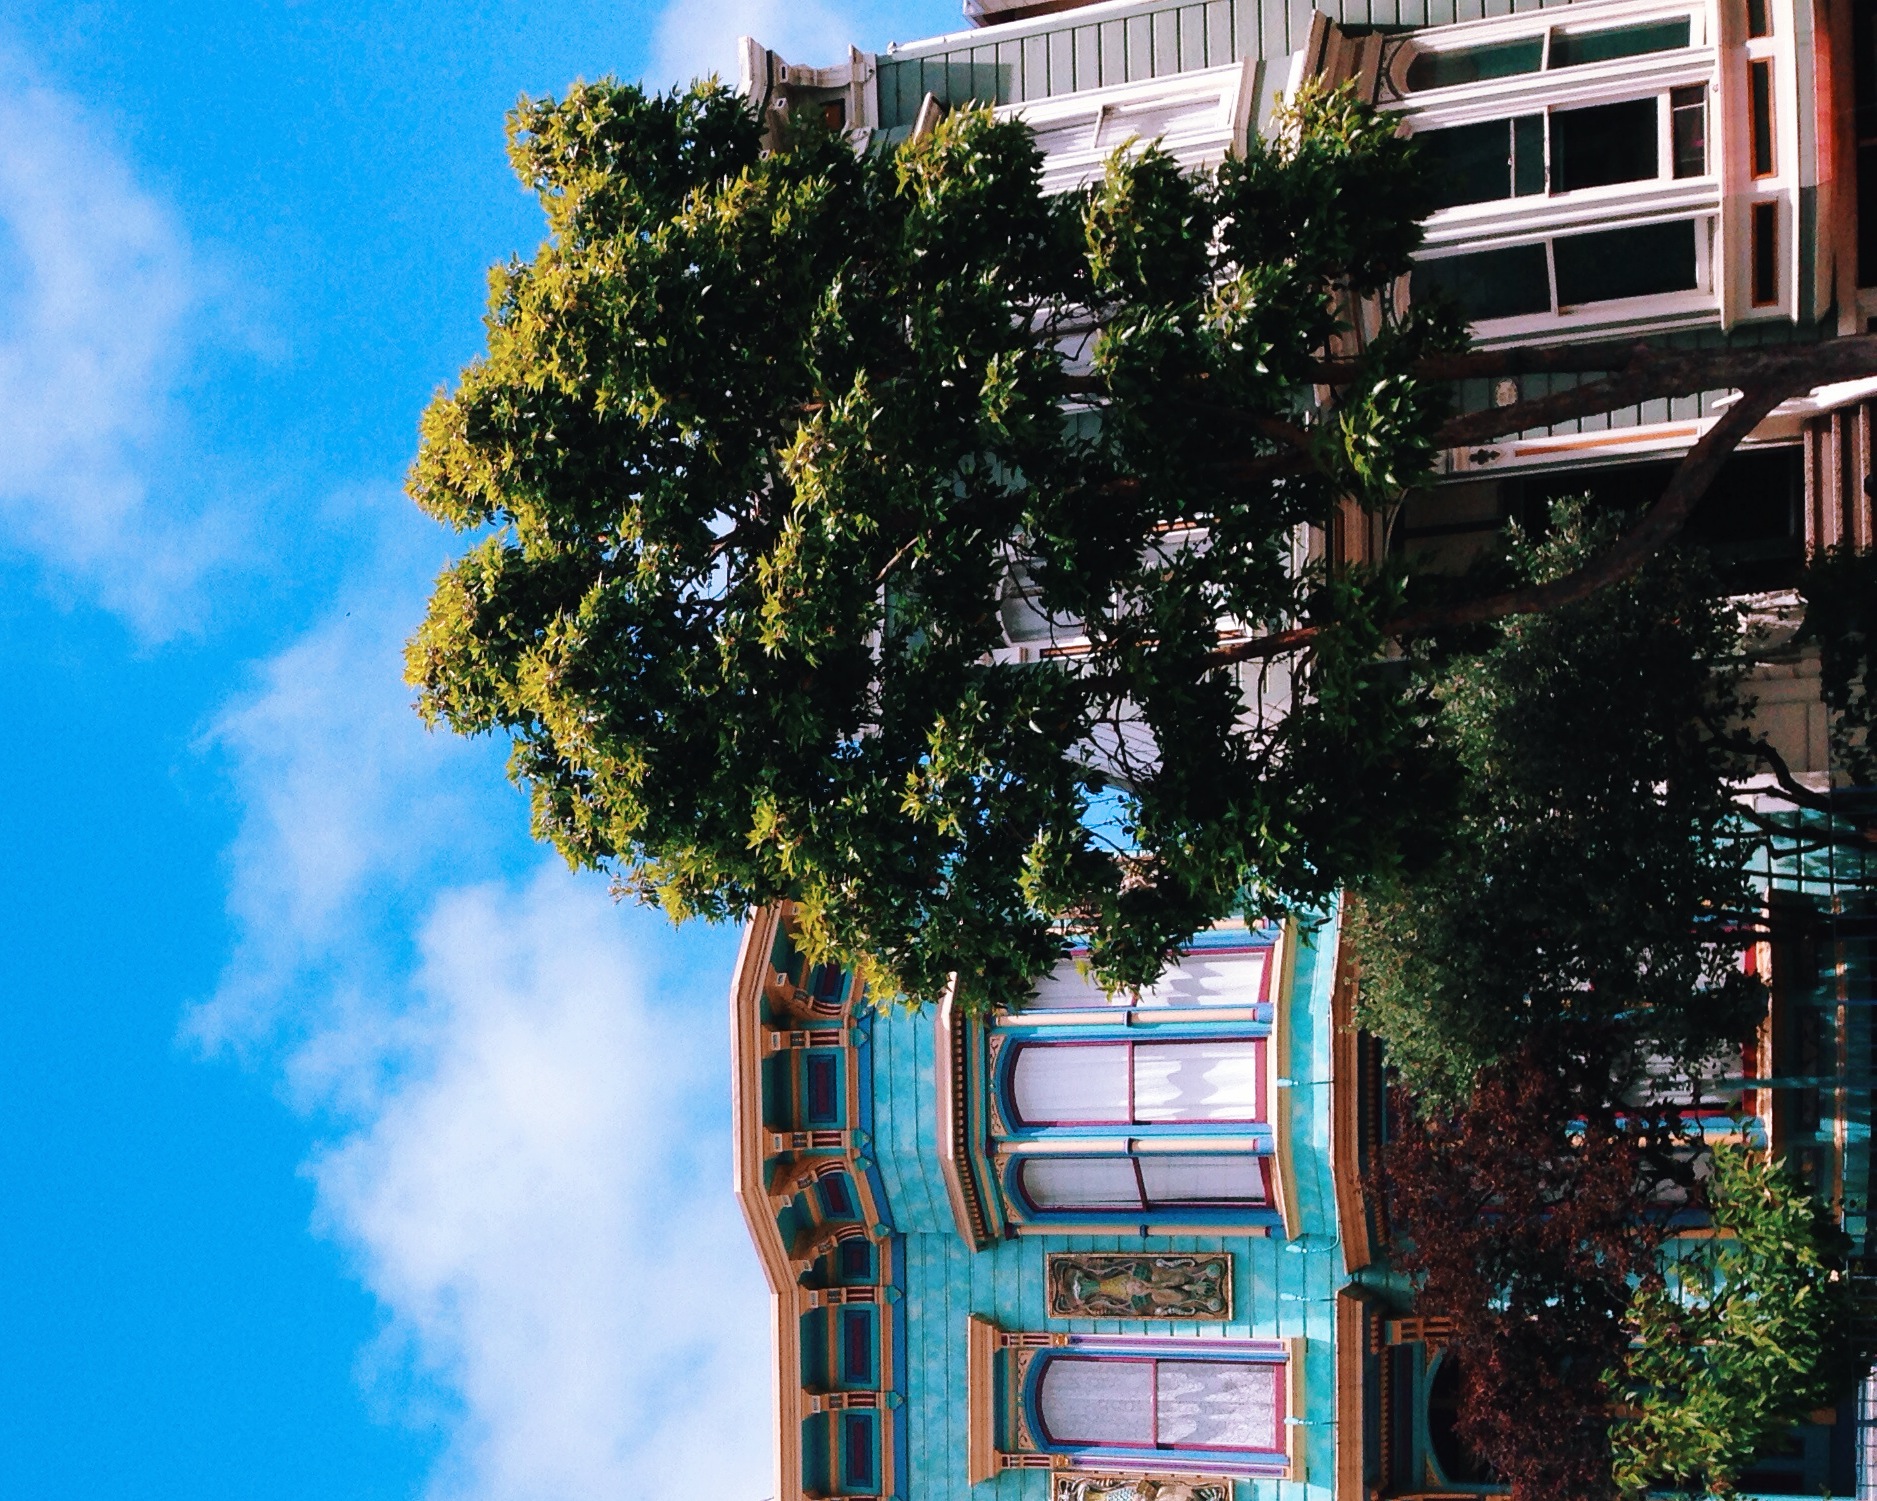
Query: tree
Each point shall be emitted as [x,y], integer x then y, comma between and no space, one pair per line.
[1589,865]
[1518,1216]
[1745,1336]
[1540,1219]
[764,447]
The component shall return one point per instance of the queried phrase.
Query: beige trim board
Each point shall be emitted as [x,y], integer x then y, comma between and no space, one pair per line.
[1283,1101]
[980,1399]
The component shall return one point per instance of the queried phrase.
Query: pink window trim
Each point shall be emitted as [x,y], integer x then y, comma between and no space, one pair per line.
[1261,1107]
[1281,1413]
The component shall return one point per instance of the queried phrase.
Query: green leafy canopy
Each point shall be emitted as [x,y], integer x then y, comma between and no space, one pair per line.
[767,447]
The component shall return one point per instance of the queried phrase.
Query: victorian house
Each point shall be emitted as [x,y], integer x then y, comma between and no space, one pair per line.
[1095,1248]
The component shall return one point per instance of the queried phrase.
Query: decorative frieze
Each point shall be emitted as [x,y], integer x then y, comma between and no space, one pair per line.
[1070,1486]
[1104,1285]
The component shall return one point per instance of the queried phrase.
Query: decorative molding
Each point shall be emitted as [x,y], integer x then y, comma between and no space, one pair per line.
[1069,1485]
[1283,1101]
[1115,1285]
[951,1074]
[1354,1325]
[1346,1113]
[980,1399]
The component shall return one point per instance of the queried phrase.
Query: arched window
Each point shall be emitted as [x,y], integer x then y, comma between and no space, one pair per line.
[1162,1402]
[1137,1083]
[1145,1183]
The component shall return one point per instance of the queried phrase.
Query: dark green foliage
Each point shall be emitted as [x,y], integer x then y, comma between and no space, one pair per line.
[1587,869]
[759,440]
[1840,590]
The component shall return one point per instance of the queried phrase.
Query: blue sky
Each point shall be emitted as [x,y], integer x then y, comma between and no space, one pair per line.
[349,1147]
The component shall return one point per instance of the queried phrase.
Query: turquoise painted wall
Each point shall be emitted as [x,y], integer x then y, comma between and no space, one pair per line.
[1281,1289]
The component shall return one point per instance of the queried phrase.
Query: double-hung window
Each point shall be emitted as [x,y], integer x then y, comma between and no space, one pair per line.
[1146,1402]
[1575,166]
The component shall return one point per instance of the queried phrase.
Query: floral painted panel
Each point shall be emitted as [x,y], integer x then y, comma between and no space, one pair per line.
[1073,1487]
[1102,1285]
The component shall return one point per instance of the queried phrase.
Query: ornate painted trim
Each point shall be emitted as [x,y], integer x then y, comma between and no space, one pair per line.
[980,1399]
[1283,1101]
[951,1075]
[1347,1116]
[1070,1485]
[1120,1285]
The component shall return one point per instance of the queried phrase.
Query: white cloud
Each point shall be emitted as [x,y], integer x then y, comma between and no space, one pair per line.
[100,291]
[527,1085]
[696,38]
[534,1202]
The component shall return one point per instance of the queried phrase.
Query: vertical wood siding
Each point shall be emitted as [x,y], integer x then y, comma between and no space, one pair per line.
[1155,41]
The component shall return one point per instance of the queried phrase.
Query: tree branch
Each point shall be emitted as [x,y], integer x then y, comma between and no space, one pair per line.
[1655,530]
[1790,787]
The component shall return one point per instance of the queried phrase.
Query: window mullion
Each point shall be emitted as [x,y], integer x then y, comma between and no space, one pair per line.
[1153,1400]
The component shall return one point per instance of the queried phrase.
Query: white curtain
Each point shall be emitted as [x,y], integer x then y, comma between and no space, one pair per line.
[1098,1401]
[1202,979]
[1071,1082]
[1081,1183]
[1197,1081]
[1067,988]
[1202,1180]
[1197,979]
[1218,1404]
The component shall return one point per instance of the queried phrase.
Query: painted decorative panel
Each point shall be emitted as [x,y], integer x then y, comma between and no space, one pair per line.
[1073,1487]
[1098,1285]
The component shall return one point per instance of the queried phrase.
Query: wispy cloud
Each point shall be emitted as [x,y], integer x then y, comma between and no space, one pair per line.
[526,1086]
[696,38]
[101,289]
[541,1199]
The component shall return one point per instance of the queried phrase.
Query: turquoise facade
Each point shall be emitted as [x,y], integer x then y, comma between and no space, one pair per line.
[879,1277]
[1284,1289]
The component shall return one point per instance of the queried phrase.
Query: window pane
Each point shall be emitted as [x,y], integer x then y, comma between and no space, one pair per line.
[1688,116]
[1569,49]
[1201,979]
[1098,1401]
[1490,283]
[1760,116]
[1081,1183]
[1065,1083]
[1440,70]
[1528,155]
[1470,163]
[1069,988]
[1644,262]
[1218,1404]
[1765,253]
[1608,143]
[1197,1081]
[835,1198]
[1202,1179]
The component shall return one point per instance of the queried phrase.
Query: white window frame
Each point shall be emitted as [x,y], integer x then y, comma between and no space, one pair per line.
[1540,218]
[1717,59]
